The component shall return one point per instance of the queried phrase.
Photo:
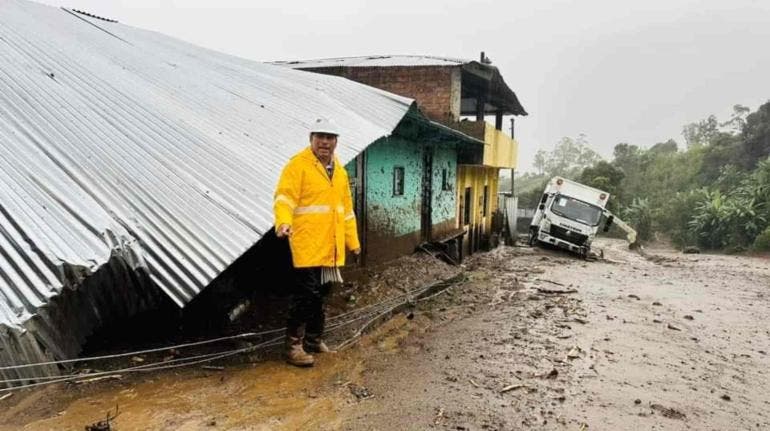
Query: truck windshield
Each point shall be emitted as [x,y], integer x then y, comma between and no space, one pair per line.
[574,209]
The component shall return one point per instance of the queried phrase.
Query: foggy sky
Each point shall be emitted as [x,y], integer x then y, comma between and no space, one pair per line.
[617,71]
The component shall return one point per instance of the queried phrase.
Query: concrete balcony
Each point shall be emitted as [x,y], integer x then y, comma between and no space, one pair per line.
[500,150]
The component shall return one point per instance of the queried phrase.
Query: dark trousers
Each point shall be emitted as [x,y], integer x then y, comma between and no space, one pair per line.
[306,303]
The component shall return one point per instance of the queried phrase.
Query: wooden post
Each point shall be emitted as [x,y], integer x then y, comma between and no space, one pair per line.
[499,119]
[480,105]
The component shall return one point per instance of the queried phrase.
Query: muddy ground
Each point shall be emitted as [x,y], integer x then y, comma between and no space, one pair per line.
[528,339]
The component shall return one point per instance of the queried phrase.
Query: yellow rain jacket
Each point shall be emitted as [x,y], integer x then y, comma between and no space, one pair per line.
[319,211]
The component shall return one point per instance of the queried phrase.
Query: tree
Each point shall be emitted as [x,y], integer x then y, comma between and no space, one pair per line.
[700,133]
[568,158]
[541,157]
[605,176]
[669,146]
[738,120]
[756,137]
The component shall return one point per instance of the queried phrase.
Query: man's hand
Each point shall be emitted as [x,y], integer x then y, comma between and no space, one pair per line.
[283,231]
[357,251]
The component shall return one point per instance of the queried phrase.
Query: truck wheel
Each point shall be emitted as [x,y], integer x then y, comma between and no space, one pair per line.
[532,240]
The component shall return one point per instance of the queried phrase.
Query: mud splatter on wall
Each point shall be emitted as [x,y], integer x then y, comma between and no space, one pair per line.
[443,200]
[390,213]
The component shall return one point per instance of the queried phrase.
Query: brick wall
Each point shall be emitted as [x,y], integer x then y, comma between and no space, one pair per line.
[431,86]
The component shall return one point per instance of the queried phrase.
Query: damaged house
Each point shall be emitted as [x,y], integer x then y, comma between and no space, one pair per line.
[404,187]
[136,168]
[459,94]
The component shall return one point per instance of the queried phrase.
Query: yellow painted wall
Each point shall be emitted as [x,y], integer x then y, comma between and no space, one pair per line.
[500,150]
[476,177]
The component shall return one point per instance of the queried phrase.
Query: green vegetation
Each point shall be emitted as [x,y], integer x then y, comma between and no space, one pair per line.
[715,193]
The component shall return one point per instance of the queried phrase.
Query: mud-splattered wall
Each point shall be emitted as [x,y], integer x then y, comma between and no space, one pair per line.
[393,220]
[387,213]
[443,199]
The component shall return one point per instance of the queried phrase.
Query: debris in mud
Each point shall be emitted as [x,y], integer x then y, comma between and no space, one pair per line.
[656,303]
[6,396]
[106,424]
[439,416]
[555,291]
[550,281]
[726,397]
[691,250]
[360,392]
[634,297]
[574,353]
[672,327]
[551,374]
[98,379]
[688,317]
[668,412]
[511,387]
[637,401]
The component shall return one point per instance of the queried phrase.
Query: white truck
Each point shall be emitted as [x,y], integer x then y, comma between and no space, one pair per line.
[569,215]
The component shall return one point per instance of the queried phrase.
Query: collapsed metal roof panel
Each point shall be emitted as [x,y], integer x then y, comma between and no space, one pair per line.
[115,141]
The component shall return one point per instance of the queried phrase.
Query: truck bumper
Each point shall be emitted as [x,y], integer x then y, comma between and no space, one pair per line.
[544,237]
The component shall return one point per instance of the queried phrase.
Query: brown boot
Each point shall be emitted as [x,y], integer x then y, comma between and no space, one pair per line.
[316,344]
[296,355]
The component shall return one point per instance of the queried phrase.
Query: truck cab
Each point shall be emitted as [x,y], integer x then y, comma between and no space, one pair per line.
[568,216]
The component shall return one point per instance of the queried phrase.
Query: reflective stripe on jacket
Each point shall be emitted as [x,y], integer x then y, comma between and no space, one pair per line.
[319,211]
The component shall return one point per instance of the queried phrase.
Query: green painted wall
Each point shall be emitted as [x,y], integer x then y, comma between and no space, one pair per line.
[393,222]
[390,215]
[444,201]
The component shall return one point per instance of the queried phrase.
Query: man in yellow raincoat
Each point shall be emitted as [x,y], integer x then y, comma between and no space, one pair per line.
[314,210]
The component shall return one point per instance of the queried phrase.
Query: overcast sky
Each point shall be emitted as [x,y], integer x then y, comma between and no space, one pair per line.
[617,71]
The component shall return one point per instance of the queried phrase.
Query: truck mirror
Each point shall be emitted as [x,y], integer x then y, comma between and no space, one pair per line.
[542,206]
[609,222]
[545,198]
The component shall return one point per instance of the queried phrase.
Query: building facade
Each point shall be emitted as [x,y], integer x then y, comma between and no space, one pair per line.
[461,95]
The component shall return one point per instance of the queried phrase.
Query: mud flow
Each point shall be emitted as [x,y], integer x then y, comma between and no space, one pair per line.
[523,339]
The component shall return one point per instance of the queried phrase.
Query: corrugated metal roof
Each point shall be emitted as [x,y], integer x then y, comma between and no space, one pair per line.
[376,61]
[115,141]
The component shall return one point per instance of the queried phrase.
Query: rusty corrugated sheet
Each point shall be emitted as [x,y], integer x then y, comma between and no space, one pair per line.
[118,144]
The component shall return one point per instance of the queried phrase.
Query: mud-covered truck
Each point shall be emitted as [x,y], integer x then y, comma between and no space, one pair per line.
[569,214]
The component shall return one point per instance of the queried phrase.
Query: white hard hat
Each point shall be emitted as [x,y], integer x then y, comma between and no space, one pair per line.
[322,125]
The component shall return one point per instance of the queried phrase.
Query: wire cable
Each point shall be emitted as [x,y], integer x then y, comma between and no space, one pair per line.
[373,312]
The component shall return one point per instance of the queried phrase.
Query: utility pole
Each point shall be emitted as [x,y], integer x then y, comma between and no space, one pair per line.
[513,136]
